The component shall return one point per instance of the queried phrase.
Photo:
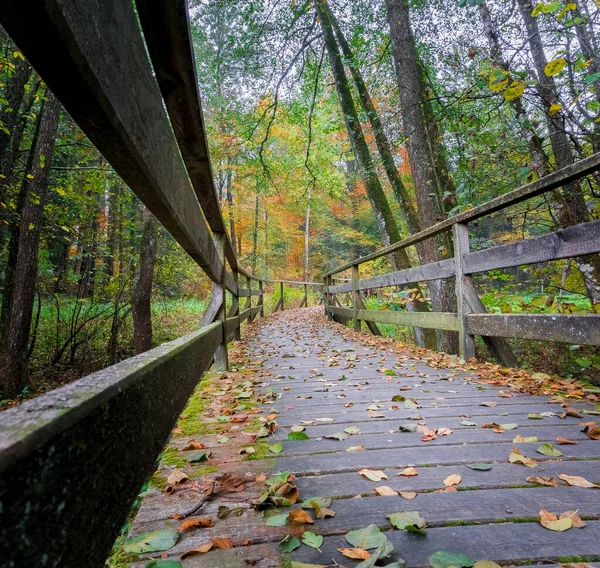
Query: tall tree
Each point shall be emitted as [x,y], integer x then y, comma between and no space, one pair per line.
[381,207]
[22,267]
[572,209]
[142,292]
[424,159]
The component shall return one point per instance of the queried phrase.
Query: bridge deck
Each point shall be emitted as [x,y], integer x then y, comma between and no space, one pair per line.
[333,380]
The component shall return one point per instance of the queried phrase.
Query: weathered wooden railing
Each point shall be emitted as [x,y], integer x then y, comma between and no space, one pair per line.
[472,318]
[73,460]
[280,305]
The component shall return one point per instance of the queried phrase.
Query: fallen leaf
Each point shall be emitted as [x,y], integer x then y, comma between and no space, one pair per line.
[154,541]
[486,564]
[325,419]
[276,448]
[299,516]
[367,538]
[549,450]
[561,440]
[549,481]
[373,475]
[449,560]
[277,520]
[520,439]
[355,553]
[313,540]
[289,544]
[577,481]
[193,445]
[384,490]
[517,457]
[453,479]
[409,521]
[592,430]
[375,414]
[196,523]
[551,522]
[408,472]
[323,512]
[490,404]
[408,494]
[575,518]
[176,476]
[356,449]
[479,466]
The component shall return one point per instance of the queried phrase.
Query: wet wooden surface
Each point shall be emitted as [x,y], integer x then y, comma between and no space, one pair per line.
[320,373]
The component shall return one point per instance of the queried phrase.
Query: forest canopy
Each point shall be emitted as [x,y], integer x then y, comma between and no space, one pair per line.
[335,128]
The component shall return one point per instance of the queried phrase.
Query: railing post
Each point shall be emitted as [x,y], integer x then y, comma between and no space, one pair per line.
[235,309]
[261,299]
[328,298]
[461,248]
[221,357]
[281,293]
[355,275]
[305,301]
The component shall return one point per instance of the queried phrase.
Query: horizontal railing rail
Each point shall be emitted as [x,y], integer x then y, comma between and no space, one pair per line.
[472,318]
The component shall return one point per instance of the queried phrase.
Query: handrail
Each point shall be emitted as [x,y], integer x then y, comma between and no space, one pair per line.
[545,184]
[472,318]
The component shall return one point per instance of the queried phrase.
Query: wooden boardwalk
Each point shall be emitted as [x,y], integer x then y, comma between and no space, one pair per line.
[328,381]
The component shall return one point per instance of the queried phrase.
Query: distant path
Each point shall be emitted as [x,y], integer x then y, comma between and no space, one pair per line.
[323,372]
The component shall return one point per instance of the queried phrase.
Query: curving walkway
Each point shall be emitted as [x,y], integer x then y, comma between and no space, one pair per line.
[387,410]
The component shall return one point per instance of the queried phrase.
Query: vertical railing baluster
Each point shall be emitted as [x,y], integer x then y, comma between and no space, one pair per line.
[355,275]
[221,357]
[281,293]
[461,248]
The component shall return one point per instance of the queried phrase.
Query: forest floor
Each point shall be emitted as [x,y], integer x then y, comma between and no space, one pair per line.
[328,447]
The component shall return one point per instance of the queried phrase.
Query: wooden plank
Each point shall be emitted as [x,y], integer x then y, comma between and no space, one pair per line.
[216,301]
[571,242]
[432,320]
[432,271]
[548,183]
[245,292]
[244,315]
[91,437]
[232,324]
[579,330]
[101,54]
[340,288]
[168,38]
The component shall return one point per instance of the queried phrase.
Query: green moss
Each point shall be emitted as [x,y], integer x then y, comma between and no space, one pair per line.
[576,559]
[261,451]
[157,481]
[172,456]
[202,471]
[119,558]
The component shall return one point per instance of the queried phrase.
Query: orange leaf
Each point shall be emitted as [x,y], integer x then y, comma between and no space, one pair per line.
[453,479]
[299,516]
[193,523]
[355,553]
[408,472]
[562,440]
[384,490]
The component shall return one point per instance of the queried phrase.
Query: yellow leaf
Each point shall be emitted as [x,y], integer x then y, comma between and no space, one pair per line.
[577,481]
[29,176]
[514,91]
[554,109]
[355,553]
[517,457]
[453,479]
[385,491]
[373,475]
[555,66]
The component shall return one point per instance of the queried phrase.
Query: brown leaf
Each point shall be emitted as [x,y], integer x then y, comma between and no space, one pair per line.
[408,494]
[323,512]
[299,516]
[592,430]
[517,457]
[408,472]
[176,476]
[549,481]
[490,404]
[577,481]
[384,490]
[373,475]
[575,518]
[196,523]
[193,445]
[219,543]
[562,440]
[375,414]
[355,553]
[453,479]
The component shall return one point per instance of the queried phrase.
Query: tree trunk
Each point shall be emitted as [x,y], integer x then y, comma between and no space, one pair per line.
[306,234]
[385,152]
[230,209]
[255,235]
[539,159]
[21,270]
[425,160]
[381,208]
[572,208]
[142,293]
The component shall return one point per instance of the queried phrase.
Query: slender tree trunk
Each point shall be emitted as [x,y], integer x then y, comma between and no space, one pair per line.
[572,208]
[255,234]
[381,208]
[230,208]
[142,293]
[425,160]
[306,234]
[385,152]
[21,271]
[539,159]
